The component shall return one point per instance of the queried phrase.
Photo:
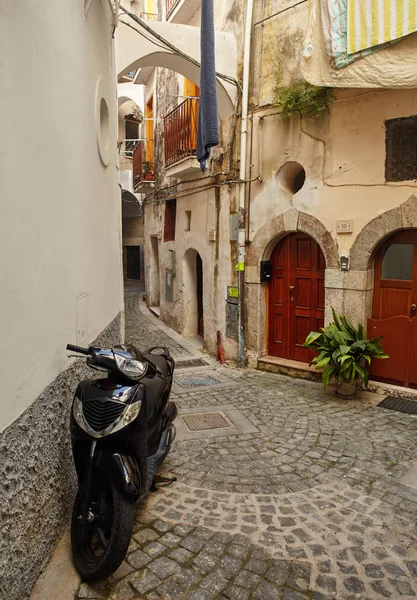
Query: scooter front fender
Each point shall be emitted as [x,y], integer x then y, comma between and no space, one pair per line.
[123,469]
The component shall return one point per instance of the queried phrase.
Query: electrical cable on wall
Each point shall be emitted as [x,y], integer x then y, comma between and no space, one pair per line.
[166,44]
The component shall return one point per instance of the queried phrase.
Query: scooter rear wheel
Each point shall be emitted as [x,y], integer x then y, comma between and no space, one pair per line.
[99,547]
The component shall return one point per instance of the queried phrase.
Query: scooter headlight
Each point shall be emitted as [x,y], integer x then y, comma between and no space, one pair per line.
[77,411]
[134,369]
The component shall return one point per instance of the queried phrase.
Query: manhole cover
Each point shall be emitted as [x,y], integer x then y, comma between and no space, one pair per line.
[196,362]
[196,381]
[400,404]
[202,421]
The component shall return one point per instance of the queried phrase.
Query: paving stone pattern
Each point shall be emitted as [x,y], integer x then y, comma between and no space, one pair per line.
[144,334]
[309,508]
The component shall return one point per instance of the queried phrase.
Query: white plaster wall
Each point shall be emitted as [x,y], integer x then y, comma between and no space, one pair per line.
[60,225]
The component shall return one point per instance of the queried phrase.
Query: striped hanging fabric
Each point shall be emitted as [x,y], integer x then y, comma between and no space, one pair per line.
[374,22]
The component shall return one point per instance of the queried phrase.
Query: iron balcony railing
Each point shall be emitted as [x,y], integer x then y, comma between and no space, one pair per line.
[148,16]
[171,4]
[127,148]
[143,163]
[180,131]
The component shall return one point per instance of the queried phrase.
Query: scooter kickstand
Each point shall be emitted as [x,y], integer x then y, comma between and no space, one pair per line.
[163,481]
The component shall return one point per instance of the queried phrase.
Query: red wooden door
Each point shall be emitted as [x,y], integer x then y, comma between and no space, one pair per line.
[296,296]
[394,309]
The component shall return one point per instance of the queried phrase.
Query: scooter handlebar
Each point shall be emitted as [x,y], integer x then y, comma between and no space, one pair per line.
[78,349]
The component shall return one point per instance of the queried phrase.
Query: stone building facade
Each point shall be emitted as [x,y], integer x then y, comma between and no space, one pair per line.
[320,201]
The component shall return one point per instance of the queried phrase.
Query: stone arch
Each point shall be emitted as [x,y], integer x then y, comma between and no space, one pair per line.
[193,304]
[134,52]
[196,243]
[292,220]
[401,217]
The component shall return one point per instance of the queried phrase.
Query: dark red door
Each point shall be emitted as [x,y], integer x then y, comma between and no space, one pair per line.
[394,309]
[296,296]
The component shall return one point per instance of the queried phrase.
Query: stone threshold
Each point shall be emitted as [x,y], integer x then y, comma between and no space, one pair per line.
[301,370]
[285,366]
[388,389]
[155,310]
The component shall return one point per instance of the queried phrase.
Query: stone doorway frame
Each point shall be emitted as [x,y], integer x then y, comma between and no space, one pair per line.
[260,249]
[358,282]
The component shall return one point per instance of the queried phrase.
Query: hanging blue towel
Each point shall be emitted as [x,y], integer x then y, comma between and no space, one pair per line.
[207,132]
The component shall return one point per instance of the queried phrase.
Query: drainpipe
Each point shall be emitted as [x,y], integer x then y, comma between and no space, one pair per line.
[242,175]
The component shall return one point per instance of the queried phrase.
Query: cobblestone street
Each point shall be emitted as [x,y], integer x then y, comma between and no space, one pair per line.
[302,500]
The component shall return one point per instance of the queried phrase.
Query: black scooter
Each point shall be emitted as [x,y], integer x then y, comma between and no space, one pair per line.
[121,431]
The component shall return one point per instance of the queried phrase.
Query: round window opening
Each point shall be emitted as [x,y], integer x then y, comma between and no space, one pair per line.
[104,124]
[291,177]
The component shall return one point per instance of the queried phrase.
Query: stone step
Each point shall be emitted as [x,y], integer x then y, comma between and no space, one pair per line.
[285,366]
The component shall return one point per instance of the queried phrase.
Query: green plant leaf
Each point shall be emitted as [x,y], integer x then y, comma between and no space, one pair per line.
[323,362]
[361,332]
[346,363]
[344,350]
[348,324]
[312,338]
[362,372]
[327,374]
[336,320]
[359,344]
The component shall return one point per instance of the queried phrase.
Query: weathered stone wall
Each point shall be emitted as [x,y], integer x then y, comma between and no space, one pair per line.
[38,478]
[132,227]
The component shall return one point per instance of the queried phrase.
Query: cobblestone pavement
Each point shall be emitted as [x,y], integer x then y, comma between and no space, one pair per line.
[309,507]
[140,331]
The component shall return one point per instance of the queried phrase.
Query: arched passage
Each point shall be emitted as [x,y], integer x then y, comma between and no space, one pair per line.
[134,52]
[193,293]
[295,296]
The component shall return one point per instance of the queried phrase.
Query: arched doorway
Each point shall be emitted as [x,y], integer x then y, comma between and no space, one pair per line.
[394,308]
[193,294]
[296,296]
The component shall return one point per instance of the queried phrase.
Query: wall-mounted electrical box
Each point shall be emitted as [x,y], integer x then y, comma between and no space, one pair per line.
[266,271]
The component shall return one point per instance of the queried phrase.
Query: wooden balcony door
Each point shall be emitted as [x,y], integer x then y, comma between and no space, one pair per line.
[149,128]
[394,310]
[296,296]
[192,90]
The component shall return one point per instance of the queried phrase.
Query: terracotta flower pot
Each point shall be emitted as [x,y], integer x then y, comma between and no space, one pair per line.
[346,389]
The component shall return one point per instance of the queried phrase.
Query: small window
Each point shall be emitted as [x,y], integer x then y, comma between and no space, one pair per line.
[131,130]
[188,220]
[398,262]
[170,216]
[401,149]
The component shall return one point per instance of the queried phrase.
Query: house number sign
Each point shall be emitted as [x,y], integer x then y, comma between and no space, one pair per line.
[344,226]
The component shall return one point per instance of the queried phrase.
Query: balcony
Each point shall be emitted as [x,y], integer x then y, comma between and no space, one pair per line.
[181,11]
[180,136]
[148,16]
[171,5]
[143,167]
[127,147]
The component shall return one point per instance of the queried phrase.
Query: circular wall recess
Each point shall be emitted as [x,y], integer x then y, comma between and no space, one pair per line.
[102,118]
[291,177]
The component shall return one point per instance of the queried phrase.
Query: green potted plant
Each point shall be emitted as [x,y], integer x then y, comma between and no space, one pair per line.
[148,174]
[343,352]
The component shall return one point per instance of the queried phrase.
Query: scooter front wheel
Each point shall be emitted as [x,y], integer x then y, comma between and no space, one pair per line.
[100,545]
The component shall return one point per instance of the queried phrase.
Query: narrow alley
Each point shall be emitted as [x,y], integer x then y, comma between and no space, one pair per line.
[289,493]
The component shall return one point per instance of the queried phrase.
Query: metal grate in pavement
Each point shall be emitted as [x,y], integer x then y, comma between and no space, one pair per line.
[196,362]
[399,404]
[203,421]
[192,381]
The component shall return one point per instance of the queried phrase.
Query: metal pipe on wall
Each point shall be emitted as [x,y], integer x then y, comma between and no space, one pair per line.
[241,251]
